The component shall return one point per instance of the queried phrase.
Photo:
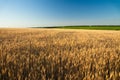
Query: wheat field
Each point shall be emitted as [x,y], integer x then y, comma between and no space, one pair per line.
[53,54]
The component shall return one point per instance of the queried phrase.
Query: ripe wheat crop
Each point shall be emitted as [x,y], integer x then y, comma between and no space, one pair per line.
[46,54]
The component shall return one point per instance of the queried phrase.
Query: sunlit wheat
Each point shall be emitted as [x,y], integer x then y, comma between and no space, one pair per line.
[44,54]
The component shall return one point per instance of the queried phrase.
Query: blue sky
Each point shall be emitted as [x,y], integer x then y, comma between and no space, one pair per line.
[30,13]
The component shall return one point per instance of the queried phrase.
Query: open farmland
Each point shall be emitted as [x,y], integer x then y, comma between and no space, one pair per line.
[54,54]
[92,27]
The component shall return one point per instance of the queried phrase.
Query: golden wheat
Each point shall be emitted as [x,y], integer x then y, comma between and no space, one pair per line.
[46,54]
